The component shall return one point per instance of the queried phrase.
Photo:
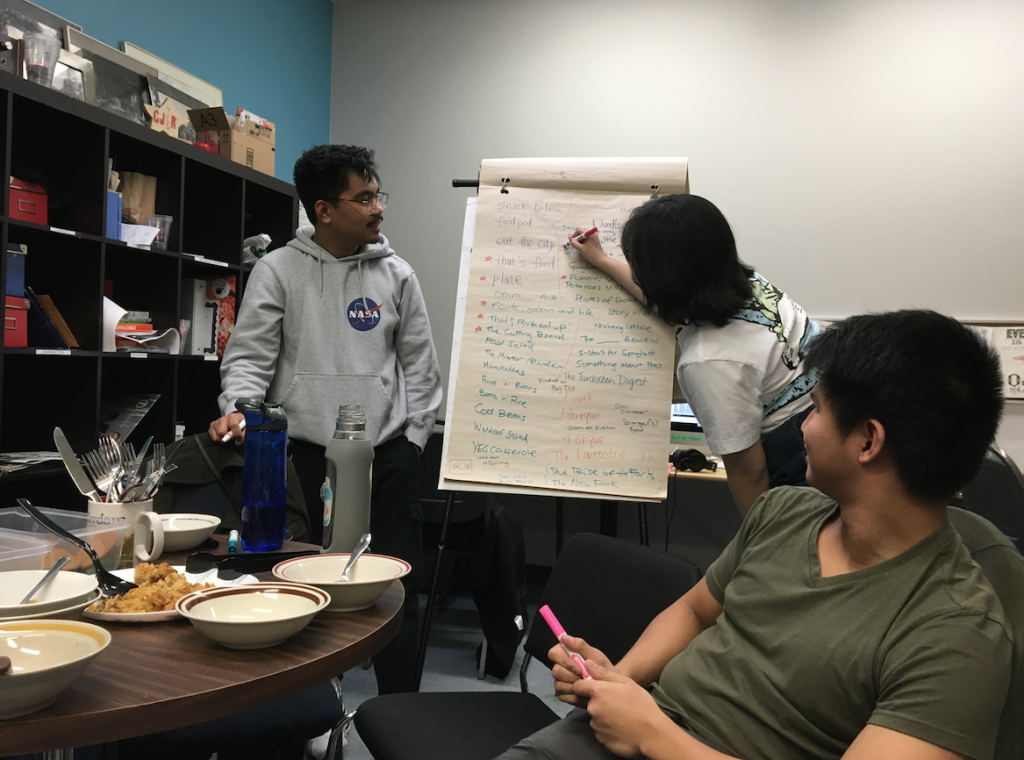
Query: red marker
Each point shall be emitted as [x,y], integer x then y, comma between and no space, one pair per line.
[583,236]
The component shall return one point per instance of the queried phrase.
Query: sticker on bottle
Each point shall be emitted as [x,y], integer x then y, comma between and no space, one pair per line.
[328,499]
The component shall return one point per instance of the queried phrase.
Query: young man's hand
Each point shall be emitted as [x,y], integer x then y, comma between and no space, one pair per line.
[622,713]
[229,423]
[566,672]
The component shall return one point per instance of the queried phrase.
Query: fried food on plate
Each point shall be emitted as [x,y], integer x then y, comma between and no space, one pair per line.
[160,588]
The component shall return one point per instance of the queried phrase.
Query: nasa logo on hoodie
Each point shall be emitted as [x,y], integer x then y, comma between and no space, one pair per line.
[363,317]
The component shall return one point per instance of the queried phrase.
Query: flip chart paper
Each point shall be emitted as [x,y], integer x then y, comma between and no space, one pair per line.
[562,384]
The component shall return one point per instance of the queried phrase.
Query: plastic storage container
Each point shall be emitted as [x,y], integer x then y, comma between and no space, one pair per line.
[20,551]
[105,539]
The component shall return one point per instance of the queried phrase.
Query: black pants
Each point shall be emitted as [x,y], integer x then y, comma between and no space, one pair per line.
[396,525]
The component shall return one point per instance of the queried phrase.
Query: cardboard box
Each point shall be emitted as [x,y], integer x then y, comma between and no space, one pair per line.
[245,139]
[15,322]
[15,285]
[28,201]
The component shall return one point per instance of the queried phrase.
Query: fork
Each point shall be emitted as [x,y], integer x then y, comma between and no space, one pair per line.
[159,456]
[109,583]
[114,455]
[100,472]
[135,461]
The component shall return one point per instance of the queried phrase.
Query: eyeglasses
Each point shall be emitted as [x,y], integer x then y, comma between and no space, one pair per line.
[380,199]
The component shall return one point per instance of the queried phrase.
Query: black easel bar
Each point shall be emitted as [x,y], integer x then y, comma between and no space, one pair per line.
[609,518]
[645,538]
[559,524]
[421,656]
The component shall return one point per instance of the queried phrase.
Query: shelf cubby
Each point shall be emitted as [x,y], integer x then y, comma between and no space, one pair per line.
[64,153]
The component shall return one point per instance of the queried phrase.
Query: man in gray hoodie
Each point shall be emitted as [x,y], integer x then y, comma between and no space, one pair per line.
[335,317]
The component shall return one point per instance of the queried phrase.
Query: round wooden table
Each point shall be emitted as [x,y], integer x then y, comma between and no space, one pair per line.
[159,676]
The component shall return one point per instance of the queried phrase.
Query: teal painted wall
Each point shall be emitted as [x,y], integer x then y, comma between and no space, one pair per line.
[272,57]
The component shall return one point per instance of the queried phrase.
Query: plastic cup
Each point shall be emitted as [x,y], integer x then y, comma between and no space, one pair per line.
[41,54]
[163,223]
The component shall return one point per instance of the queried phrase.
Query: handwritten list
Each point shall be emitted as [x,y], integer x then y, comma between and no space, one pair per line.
[562,384]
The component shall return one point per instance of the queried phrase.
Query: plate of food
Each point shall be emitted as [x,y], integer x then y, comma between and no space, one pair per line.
[160,587]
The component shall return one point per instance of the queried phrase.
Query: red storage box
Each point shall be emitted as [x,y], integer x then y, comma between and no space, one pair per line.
[28,201]
[15,322]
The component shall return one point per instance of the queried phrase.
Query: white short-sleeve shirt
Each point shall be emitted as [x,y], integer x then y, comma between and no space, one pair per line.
[746,378]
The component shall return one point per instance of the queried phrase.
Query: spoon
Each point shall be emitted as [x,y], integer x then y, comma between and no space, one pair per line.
[361,547]
[109,583]
[46,578]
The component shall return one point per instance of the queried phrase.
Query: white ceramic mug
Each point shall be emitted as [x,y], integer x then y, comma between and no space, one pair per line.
[144,526]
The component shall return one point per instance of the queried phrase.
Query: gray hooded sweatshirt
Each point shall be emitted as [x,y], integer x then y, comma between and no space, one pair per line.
[315,332]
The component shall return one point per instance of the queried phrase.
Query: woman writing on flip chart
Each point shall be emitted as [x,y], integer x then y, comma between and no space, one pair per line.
[742,340]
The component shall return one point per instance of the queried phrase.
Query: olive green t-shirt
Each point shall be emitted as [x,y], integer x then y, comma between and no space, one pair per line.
[797,664]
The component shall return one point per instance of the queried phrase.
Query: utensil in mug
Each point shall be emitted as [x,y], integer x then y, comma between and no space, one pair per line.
[74,467]
[143,523]
[109,583]
[54,569]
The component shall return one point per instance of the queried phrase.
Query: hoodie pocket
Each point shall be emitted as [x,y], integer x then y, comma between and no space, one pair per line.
[312,403]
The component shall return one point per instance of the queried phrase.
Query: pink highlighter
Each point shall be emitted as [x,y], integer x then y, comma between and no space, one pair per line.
[558,630]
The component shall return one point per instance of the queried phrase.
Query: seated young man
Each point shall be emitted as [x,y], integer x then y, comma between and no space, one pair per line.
[847,621]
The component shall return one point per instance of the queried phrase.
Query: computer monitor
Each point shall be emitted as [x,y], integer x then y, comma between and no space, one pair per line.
[683,418]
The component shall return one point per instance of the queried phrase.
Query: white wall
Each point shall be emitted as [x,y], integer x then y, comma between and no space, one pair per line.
[868,153]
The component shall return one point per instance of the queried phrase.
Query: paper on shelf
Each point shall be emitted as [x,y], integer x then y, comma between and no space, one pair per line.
[112,314]
[138,234]
[169,339]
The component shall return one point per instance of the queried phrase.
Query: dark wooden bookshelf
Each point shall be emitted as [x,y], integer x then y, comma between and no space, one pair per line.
[65,145]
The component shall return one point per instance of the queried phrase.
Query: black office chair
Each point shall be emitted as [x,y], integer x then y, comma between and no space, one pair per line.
[1004,569]
[603,589]
[997,493]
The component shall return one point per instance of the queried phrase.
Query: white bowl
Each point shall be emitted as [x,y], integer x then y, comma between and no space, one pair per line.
[369,578]
[72,611]
[46,657]
[62,590]
[254,616]
[187,531]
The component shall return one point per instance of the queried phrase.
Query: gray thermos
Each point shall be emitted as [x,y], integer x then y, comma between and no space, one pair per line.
[346,490]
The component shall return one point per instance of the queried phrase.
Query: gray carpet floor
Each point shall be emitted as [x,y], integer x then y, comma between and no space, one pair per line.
[451,665]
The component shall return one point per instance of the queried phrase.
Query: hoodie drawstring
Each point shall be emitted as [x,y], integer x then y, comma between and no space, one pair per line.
[362,288]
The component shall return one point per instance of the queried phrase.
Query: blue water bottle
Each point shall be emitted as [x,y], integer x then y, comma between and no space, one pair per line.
[264,475]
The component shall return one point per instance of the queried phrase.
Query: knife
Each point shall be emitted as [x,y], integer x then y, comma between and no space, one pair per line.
[74,467]
[229,567]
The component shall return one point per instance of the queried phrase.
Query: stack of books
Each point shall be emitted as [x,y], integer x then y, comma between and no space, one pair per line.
[133,326]
[136,323]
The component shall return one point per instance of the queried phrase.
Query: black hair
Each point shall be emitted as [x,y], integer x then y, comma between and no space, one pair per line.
[683,256]
[935,385]
[321,173]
